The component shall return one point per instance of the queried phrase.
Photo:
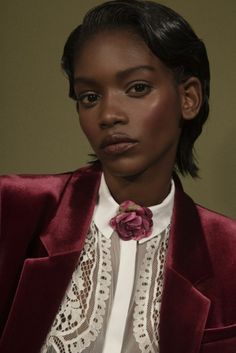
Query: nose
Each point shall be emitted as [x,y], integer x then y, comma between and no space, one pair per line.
[112,112]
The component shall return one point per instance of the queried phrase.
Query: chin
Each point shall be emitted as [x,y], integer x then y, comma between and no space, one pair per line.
[126,169]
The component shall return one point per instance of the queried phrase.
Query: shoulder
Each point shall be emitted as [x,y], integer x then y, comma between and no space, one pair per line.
[211,221]
[218,230]
[215,221]
[30,197]
[19,190]
[22,187]
[220,235]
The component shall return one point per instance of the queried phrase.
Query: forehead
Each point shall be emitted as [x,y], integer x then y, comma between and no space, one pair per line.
[113,50]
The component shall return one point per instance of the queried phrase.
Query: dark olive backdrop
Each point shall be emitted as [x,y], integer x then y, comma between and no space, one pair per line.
[39,130]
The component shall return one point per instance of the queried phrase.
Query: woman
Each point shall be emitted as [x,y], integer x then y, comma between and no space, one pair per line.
[115,256]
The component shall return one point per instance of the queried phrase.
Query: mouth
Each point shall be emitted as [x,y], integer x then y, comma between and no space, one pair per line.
[117,144]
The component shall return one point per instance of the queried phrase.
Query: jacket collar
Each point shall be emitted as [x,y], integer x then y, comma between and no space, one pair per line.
[188,253]
[74,213]
[184,310]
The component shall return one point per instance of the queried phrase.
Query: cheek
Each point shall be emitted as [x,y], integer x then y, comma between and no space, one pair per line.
[87,127]
[159,116]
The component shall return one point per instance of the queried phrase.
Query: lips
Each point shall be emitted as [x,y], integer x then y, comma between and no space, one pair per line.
[117,143]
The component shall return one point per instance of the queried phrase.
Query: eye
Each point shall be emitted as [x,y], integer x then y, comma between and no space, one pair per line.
[139,89]
[88,100]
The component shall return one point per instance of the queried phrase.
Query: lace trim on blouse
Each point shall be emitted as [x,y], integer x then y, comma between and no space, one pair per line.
[155,312]
[74,329]
[154,258]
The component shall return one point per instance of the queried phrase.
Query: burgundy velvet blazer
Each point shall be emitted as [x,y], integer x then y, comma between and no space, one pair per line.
[44,221]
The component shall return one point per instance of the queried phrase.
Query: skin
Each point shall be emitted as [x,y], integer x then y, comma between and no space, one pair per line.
[123,88]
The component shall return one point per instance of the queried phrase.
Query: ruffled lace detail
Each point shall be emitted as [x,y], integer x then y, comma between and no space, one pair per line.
[147,337]
[155,309]
[76,324]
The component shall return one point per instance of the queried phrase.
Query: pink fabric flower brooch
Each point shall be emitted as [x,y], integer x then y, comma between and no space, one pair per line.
[132,221]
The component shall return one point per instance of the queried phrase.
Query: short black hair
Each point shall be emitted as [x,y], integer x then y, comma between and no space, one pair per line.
[170,38]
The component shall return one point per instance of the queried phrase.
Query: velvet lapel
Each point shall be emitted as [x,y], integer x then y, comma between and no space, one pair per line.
[184,309]
[44,280]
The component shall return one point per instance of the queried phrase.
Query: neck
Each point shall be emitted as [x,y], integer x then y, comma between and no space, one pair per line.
[143,189]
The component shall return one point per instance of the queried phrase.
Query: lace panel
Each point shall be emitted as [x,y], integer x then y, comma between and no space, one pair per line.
[148,337]
[81,314]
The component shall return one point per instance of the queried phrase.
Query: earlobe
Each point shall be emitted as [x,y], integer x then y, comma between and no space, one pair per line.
[191,94]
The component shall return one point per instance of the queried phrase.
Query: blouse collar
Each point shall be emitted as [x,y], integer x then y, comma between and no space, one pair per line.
[107,208]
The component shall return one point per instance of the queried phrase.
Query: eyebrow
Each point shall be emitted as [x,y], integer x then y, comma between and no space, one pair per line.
[129,71]
[120,74]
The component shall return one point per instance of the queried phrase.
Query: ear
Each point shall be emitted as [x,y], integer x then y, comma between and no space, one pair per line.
[191,97]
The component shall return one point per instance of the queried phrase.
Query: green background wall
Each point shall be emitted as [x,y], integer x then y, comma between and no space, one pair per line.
[39,129]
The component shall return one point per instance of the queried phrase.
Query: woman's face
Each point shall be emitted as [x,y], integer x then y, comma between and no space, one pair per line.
[128,103]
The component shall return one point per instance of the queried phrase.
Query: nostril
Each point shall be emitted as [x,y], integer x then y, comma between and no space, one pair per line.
[111,121]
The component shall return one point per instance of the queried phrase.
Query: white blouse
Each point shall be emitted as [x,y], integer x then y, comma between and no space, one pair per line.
[112,303]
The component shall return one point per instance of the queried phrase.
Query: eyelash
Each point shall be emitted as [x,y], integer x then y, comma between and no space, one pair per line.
[81,99]
[95,97]
[147,88]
